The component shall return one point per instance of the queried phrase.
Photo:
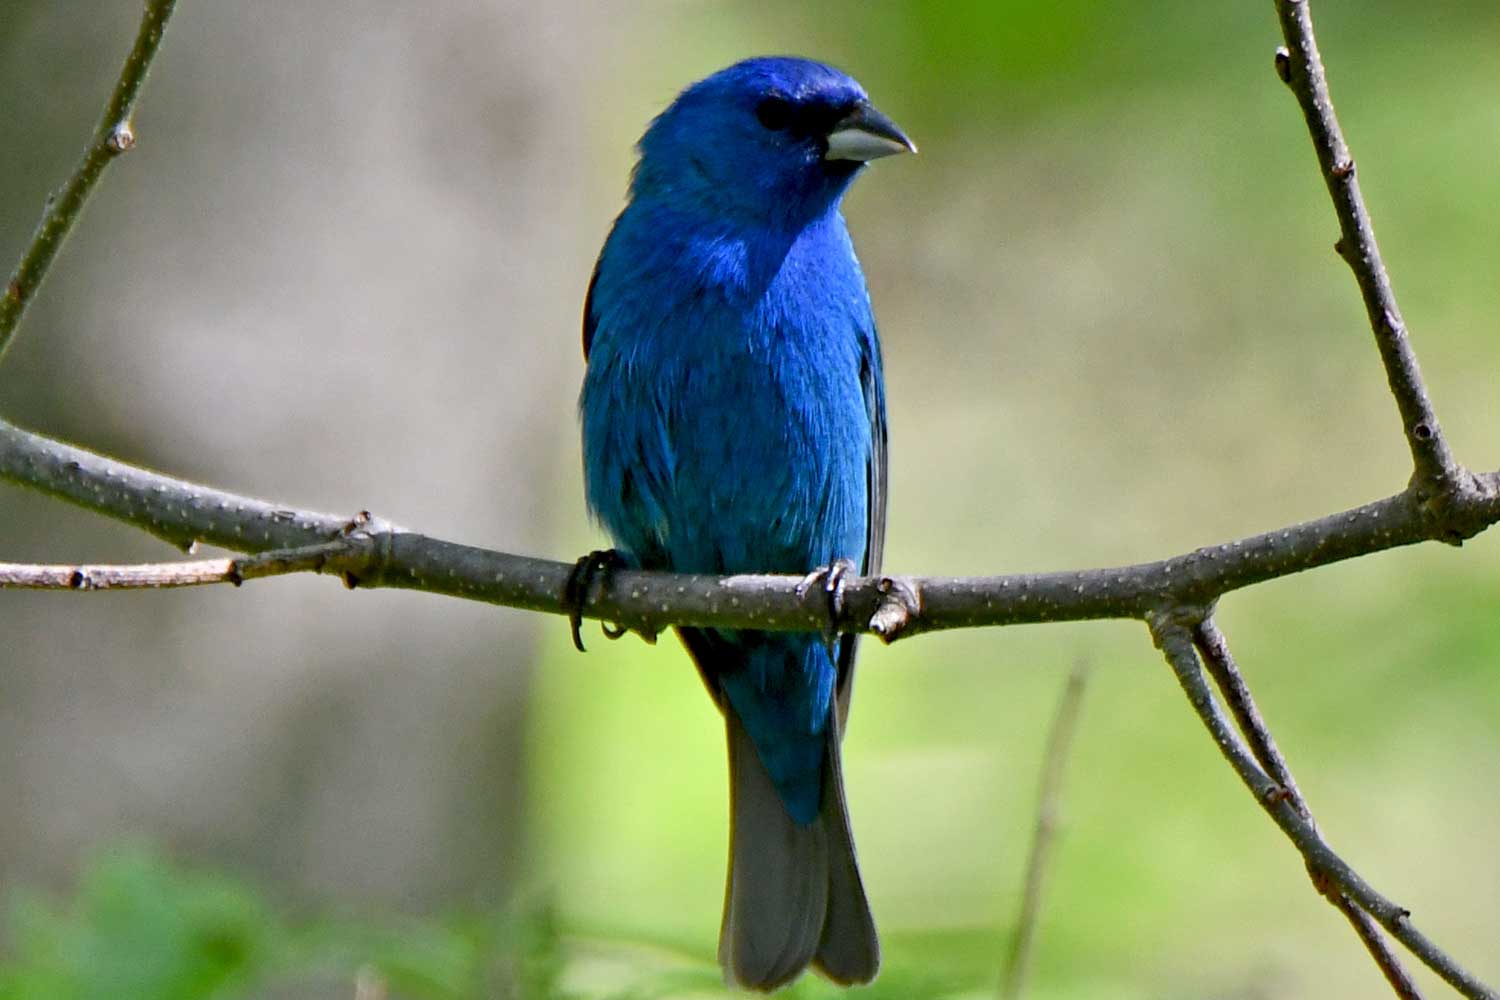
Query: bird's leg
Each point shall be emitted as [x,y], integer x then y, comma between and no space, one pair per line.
[597,565]
[831,580]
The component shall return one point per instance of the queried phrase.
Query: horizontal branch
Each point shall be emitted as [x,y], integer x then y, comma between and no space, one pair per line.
[326,557]
[112,136]
[147,576]
[373,553]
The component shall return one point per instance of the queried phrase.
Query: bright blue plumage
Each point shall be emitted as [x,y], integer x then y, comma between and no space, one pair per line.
[733,422]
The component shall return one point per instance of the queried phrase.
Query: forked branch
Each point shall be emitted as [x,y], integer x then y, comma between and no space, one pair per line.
[1175,635]
[1214,650]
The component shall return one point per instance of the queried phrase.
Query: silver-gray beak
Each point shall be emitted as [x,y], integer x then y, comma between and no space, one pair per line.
[866,134]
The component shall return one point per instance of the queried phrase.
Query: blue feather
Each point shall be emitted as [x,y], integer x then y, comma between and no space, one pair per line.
[733,411]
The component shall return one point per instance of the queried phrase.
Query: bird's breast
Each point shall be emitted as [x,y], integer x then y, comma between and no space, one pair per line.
[734,413]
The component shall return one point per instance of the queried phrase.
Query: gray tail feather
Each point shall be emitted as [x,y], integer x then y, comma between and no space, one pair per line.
[848,950]
[794,895]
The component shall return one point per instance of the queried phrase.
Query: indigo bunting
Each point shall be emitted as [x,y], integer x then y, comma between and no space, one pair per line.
[734,422]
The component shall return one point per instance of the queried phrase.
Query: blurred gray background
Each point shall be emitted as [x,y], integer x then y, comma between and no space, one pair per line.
[344,267]
[341,268]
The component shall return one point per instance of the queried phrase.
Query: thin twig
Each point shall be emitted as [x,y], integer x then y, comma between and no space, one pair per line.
[1173,635]
[1301,67]
[1214,650]
[144,576]
[343,557]
[1379,947]
[183,512]
[1059,743]
[1220,662]
[115,134]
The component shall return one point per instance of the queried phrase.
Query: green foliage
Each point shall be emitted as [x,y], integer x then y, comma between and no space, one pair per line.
[137,929]
[141,928]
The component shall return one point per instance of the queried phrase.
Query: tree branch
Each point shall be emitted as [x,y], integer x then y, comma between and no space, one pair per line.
[182,513]
[114,135]
[1379,947]
[1173,634]
[331,557]
[1300,66]
[1214,650]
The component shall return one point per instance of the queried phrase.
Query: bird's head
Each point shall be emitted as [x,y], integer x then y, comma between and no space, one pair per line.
[768,141]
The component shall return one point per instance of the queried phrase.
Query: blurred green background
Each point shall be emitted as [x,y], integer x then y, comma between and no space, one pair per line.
[344,268]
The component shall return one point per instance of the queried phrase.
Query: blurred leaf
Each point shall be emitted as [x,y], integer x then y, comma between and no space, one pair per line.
[138,929]
[141,928]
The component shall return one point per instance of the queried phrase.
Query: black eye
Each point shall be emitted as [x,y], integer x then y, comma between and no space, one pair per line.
[775,113]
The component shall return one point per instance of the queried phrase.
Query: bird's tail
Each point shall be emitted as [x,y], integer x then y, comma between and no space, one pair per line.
[794,896]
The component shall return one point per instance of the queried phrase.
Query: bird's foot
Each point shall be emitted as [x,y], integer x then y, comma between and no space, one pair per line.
[597,565]
[831,579]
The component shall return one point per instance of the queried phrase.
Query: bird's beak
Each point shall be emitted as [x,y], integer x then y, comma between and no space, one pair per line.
[866,134]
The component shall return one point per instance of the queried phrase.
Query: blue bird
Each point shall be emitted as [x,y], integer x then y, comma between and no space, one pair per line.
[733,419]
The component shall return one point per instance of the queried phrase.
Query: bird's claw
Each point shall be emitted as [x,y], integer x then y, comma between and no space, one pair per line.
[831,579]
[596,565]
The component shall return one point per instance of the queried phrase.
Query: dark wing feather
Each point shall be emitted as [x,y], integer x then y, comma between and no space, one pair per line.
[875,485]
[590,321]
[875,472]
[709,651]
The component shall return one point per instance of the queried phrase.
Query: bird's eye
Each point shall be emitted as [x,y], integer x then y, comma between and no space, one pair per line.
[775,113]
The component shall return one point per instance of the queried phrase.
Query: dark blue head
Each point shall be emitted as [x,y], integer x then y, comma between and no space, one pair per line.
[768,141]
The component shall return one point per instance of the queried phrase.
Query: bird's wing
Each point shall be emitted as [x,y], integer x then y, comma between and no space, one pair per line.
[875,471]
[590,321]
[872,384]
